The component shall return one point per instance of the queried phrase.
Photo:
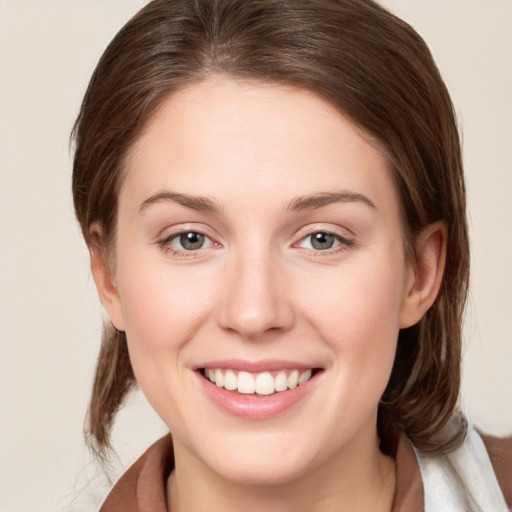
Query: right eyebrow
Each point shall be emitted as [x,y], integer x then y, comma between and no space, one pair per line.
[314,201]
[194,202]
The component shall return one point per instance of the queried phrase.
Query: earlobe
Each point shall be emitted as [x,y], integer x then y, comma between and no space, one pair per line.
[104,279]
[426,275]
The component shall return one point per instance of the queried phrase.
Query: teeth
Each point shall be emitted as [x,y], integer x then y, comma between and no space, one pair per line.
[230,380]
[261,383]
[264,384]
[293,379]
[304,376]
[281,382]
[219,378]
[245,383]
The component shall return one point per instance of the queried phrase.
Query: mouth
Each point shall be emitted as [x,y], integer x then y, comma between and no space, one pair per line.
[257,390]
[258,383]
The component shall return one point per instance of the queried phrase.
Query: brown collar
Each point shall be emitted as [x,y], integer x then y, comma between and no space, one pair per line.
[409,486]
[143,487]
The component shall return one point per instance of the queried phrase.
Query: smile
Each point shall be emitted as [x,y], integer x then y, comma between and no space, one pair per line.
[263,383]
[257,390]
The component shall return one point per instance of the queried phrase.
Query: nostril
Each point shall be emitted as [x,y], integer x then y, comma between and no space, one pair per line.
[254,304]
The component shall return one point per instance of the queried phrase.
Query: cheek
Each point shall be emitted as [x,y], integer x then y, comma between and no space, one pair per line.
[161,309]
[357,302]
[358,317]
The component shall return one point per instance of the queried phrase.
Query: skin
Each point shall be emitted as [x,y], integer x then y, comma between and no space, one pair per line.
[258,289]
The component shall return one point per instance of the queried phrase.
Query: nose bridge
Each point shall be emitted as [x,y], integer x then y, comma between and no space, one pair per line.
[255,300]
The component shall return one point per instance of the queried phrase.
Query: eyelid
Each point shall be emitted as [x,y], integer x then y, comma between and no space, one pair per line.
[169,234]
[324,227]
[343,235]
[178,235]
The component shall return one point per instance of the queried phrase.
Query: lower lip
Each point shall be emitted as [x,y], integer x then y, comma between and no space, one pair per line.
[256,407]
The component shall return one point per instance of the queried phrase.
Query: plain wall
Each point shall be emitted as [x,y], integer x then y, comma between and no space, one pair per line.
[50,318]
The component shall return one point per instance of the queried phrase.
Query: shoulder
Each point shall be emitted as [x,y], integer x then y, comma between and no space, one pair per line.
[142,486]
[475,476]
[500,453]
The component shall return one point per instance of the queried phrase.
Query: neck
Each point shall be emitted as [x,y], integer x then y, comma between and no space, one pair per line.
[358,479]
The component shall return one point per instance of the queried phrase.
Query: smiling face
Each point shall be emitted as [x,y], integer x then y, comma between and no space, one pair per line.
[259,248]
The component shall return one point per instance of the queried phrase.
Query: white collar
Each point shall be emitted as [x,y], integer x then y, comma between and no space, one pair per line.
[461,481]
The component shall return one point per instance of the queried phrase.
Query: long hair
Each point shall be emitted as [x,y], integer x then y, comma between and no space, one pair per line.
[370,65]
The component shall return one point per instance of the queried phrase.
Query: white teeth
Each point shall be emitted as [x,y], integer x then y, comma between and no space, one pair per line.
[219,378]
[230,380]
[304,376]
[281,382]
[246,383]
[293,379]
[262,383]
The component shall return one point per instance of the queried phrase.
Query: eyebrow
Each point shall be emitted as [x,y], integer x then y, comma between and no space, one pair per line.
[195,202]
[314,201]
[300,203]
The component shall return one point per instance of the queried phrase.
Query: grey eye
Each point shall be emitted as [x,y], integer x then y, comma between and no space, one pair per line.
[192,241]
[322,241]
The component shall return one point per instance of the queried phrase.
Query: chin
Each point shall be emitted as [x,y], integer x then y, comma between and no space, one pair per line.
[262,473]
[263,460]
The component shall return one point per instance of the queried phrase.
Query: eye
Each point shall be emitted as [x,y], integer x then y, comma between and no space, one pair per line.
[187,241]
[323,241]
[191,241]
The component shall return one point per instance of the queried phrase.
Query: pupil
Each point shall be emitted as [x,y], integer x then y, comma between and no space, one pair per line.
[192,241]
[322,241]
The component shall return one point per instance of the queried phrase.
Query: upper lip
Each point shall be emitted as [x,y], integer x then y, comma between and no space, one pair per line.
[264,365]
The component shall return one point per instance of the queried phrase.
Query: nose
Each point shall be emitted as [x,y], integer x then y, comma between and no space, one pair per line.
[255,299]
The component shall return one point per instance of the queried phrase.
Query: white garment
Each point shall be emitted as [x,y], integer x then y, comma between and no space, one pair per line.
[462,481]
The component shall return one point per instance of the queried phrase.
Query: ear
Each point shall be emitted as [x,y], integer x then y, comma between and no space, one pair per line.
[104,277]
[425,274]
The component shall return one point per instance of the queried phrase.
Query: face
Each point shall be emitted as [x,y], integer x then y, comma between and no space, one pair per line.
[260,278]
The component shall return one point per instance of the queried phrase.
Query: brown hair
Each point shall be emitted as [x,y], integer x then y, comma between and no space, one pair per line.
[369,64]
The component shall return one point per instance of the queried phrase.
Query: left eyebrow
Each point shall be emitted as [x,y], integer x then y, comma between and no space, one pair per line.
[194,202]
[314,201]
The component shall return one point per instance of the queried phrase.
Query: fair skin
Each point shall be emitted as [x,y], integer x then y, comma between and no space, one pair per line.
[259,232]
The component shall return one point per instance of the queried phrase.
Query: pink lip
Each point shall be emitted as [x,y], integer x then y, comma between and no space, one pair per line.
[254,407]
[265,365]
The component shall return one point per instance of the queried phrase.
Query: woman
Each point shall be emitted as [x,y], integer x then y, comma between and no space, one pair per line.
[273,197]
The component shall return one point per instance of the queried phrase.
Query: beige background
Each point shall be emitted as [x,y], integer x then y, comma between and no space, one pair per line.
[49,313]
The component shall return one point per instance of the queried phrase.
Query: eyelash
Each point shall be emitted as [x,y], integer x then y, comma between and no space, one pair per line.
[164,244]
[343,243]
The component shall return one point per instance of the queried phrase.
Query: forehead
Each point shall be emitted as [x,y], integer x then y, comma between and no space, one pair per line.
[219,137]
